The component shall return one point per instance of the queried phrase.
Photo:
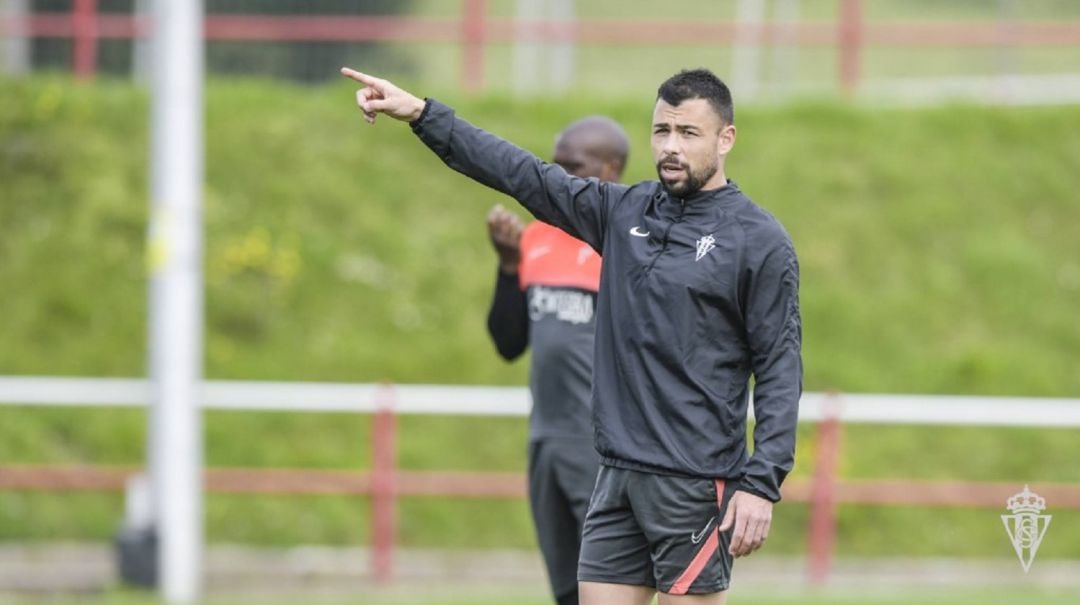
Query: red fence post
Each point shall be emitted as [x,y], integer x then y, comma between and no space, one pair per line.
[822,538]
[84,43]
[472,26]
[850,33]
[384,485]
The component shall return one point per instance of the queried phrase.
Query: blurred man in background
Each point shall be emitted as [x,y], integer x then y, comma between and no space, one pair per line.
[545,295]
[699,290]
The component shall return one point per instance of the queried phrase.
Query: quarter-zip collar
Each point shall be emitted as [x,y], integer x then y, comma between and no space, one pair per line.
[727,194]
[701,202]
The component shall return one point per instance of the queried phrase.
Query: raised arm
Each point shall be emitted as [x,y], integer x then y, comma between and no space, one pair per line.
[577,206]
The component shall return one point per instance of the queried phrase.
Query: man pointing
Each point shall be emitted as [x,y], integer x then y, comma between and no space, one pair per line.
[698,291]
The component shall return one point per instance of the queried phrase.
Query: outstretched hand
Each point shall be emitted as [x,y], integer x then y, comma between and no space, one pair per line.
[381,96]
[751,516]
[505,229]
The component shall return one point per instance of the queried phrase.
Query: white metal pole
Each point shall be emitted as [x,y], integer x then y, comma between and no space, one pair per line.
[786,52]
[526,53]
[746,55]
[176,320]
[562,53]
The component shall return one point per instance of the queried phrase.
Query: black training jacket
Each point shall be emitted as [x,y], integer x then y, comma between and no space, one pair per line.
[696,295]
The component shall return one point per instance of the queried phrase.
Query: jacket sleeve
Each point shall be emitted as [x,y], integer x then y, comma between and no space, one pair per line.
[577,206]
[508,318]
[774,333]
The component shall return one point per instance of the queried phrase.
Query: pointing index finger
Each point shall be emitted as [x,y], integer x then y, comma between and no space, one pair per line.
[359,77]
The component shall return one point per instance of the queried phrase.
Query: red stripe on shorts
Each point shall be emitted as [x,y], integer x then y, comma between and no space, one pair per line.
[708,549]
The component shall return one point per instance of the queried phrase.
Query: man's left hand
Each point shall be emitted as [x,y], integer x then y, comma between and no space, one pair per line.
[751,516]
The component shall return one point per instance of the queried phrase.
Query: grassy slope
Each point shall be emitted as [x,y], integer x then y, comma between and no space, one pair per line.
[937,251]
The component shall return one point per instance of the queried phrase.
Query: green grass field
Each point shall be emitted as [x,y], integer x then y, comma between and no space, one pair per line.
[938,253]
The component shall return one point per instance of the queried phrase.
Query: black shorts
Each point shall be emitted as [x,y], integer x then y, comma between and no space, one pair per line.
[648,529]
[562,472]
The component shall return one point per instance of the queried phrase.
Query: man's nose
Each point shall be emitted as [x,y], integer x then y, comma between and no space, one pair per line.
[671,145]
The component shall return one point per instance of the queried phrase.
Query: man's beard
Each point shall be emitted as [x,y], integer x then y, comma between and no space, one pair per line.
[693,182]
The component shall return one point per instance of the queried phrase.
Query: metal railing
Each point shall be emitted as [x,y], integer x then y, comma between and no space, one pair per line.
[474,29]
[385,482]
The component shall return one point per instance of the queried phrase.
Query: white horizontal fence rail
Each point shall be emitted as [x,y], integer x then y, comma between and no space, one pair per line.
[515,401]
[274,396]
[944,409]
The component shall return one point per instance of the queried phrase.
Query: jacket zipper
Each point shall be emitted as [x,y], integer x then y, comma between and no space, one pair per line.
[664,243]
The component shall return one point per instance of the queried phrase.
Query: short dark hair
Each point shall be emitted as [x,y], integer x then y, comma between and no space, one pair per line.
[699,84]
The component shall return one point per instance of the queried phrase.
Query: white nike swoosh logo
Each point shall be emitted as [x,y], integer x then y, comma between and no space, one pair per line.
[637,231]
[695,538]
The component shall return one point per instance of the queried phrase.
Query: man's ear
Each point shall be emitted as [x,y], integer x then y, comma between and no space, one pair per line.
[726,140]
